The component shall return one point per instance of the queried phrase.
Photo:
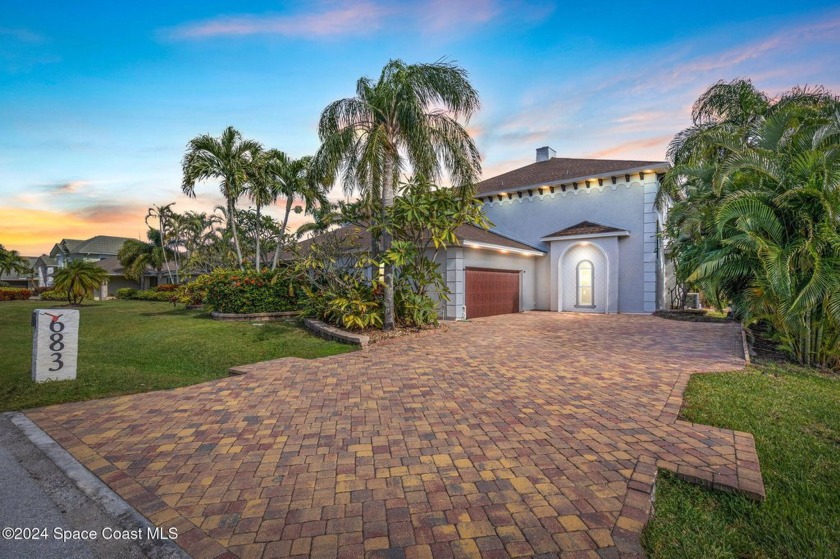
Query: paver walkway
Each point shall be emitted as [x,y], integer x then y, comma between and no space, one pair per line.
[520,435]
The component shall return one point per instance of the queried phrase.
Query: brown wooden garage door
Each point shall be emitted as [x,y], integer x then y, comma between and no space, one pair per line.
[492,292]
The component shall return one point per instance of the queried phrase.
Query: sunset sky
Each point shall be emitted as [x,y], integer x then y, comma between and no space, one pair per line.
[98,99]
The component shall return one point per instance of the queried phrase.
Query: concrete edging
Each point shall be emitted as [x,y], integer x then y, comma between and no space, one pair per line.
[328,332]
[95,489]
[254,317]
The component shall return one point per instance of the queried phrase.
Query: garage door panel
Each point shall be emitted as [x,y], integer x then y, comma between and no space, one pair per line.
[491,292]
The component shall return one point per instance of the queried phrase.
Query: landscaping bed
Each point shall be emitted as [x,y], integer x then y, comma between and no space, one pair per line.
[691,315]
[794,414]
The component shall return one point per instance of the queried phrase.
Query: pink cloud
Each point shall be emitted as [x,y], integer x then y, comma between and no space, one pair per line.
[358,19]
[648,148]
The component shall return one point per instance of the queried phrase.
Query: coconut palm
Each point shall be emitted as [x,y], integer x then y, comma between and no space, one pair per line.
[79,279]
[226,158]
[407,118]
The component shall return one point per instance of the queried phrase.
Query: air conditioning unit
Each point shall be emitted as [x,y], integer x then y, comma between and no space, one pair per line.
[692,300]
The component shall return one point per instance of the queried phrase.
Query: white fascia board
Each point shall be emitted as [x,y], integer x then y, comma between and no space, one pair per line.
[589,236]
[502,248]
[662,166]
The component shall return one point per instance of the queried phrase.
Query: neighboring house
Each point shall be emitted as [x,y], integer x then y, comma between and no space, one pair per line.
[22,280]
[102,249]
[577,235]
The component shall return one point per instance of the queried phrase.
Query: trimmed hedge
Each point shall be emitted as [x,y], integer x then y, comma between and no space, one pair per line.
[234,291]
[145,295]
[14,294]
[126,292]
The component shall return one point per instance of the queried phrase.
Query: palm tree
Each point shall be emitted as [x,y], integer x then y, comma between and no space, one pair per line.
[756,213]
[164,216]
[408,118]
[79,279]
[295,180]
[226,158]
[262,187]
[137,257]
[12,262]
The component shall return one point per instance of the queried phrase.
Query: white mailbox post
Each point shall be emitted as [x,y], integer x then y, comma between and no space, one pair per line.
[55,344]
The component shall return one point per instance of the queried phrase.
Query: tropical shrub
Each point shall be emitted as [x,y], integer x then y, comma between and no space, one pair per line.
[416,309]
[14,294]
[5,284]
[126,293]
[40,289]
[194,292]
[236,291]
[754,220]
[167,287]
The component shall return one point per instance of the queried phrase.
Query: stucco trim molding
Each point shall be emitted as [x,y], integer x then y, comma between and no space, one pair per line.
[502,248]
[623,233]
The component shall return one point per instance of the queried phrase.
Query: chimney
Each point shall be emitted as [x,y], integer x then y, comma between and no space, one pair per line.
[545,153]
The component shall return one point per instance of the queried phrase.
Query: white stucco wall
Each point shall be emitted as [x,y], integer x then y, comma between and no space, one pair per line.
[623,205]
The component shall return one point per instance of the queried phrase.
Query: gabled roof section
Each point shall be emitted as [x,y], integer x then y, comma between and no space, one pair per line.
[100,244]
[562,169]
[587,229]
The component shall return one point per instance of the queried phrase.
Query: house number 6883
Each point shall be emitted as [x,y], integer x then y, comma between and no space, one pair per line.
[56,344]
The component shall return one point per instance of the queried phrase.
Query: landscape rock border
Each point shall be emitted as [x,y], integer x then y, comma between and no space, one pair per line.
[328,332]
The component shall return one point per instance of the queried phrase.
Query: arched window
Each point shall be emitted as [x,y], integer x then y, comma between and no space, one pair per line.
[585,284]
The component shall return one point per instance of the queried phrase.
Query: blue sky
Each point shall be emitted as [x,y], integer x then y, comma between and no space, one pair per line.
[97,102]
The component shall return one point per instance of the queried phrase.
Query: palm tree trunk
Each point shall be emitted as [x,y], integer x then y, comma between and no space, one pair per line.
[289,202]
[232,220]
[163,246]
[388,202]
[257,228]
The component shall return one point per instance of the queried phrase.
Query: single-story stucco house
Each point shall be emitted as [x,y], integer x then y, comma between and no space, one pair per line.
[574,235]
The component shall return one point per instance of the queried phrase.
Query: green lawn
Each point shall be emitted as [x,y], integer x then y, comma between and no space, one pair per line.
[137,346]
[794,414]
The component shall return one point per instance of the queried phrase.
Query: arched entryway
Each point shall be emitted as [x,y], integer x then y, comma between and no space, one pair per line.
[584,279]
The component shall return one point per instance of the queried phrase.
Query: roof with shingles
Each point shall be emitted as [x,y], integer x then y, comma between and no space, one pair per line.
[585,228]
[100,244]
[15,276]
[559,169]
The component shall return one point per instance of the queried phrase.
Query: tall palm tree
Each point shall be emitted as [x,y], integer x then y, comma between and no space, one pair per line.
[294,180]
[409,117]
[226,158]
[165,216]
[263,187]
[79,279]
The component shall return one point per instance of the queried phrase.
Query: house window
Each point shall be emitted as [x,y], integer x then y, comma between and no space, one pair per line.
[585,284]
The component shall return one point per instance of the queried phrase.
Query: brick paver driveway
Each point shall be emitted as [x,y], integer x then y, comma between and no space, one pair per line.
[520,435]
